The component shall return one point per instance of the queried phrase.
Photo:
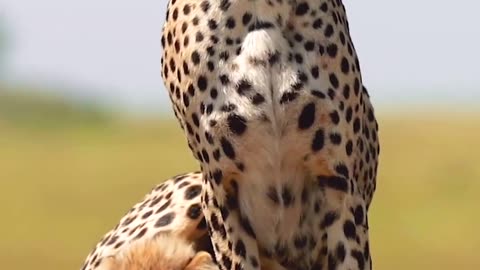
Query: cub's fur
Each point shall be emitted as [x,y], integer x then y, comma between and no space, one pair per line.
[164,252]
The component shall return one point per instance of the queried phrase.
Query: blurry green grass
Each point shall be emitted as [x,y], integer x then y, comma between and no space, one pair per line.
[62,189]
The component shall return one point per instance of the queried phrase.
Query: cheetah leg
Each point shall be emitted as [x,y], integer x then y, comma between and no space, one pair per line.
[233,239]
[345,235]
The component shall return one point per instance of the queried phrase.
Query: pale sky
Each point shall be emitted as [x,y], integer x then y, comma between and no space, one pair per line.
[409,50]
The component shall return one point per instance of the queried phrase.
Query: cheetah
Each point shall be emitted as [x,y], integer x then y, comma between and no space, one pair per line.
[270,96]
[166,229]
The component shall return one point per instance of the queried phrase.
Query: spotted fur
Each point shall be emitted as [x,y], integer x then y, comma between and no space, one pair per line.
[271,99]
[166,228]
[145,240]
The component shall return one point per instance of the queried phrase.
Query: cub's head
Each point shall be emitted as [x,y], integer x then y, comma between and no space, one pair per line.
[163,252]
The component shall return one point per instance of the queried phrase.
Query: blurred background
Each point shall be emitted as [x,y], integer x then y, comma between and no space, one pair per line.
[86,127]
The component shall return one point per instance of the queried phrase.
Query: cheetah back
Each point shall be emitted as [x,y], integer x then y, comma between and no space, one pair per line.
[172,207]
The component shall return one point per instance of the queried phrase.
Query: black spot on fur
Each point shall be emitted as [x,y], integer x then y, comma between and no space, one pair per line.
[141,233]
[340,252]
[349,229]
[258,25]
[288,97]
[227,148]
[329,219]
[193,192]
[334,182]
[273,195]
[287,197]
[240,249]
[237,124]
[318,140]
[358,256]
[332,262]
[358,213]
[247,227]
[217,176]
[226,261]
[165,220]
[302,9]
[243,86]
[307,116]
[300,241]
[194,211]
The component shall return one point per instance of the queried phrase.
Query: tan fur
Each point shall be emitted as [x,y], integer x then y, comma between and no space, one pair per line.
[164,252]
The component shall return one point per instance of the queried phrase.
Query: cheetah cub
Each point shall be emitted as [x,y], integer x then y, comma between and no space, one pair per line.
[164,252]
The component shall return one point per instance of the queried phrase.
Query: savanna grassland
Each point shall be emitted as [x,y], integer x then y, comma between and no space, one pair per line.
[62,187]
